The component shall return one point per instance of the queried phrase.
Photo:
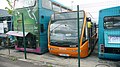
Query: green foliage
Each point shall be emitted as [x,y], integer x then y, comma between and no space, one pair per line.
[13,58]
[50,65]
[9,4]
[10,10]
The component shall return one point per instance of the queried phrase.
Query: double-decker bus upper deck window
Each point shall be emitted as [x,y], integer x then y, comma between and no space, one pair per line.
[57,8]
[24,3]
[64,10]
[112,22]
[46,4]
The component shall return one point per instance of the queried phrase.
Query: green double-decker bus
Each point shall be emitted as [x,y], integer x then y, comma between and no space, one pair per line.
[36,14]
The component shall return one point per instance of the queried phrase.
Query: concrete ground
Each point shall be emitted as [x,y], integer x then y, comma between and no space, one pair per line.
[57,61]
[13,62]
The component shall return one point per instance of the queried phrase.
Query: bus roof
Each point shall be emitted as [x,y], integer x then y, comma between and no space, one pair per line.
[4,13]
[59,4]
[110,8]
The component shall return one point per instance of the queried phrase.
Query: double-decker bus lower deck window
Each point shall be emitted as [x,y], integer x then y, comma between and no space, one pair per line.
[112,22]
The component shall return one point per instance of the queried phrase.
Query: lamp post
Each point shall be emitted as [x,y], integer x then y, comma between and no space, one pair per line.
[72,4]
[78,36]
[24,36]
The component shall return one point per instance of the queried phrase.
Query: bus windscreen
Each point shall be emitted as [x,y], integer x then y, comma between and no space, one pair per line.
[63,31]
[67,15]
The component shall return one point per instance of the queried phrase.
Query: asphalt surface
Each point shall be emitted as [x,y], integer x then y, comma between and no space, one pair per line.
[10,62]
[49,60]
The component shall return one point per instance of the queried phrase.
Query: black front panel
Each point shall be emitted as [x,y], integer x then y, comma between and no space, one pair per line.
[65,44]
[112,50]
[30,41]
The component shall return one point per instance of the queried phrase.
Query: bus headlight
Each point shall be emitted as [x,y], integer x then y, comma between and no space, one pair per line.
[51,48]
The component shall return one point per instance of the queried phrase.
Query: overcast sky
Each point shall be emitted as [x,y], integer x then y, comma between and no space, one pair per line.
[92,6]
[69,3]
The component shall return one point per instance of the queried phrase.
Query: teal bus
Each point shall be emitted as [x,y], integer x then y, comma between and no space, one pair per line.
[109,33]
[36,15]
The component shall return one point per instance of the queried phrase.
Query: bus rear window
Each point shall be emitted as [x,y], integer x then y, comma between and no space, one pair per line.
[112,22]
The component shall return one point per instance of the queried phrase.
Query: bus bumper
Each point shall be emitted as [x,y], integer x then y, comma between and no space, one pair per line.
[109,56]
[68,51]
[37,50]
[63,51]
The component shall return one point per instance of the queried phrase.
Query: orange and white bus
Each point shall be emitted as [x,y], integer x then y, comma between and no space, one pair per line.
[63,38]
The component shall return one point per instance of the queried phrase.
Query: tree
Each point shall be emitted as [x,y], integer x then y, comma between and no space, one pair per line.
[10,10]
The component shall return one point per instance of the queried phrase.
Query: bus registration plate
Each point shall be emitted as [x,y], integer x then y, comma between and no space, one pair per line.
[64,55]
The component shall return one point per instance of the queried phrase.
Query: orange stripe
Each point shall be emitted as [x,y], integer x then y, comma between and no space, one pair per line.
[83,29]
[49,32]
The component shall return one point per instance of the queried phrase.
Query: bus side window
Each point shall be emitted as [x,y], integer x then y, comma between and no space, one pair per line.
[42,28]
[84,36]
[94,28]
